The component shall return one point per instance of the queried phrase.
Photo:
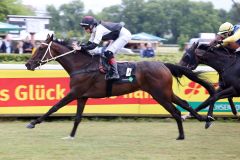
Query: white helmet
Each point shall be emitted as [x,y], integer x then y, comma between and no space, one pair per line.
[225,28]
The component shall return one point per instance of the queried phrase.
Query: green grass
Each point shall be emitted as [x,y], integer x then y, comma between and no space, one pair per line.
[119,140]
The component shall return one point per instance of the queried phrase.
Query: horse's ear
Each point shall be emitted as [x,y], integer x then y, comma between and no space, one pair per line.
[195,45]
[48,36]
[51,38]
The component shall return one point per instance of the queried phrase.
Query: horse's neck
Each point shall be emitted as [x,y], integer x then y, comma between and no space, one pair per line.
[219,62]
[77,61]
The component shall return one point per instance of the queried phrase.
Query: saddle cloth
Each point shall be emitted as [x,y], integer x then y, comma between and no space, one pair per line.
[126,71]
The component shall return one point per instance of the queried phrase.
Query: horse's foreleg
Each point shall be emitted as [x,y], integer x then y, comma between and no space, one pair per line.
[67,99]
[203,105]
[80,107]
[207,101]
[229,92]
[232,105]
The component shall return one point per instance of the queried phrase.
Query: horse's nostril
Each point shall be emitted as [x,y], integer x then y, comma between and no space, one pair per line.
[28,65]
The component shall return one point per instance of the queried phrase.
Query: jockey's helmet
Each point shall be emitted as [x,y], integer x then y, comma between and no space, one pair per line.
[225,28]
[88,22]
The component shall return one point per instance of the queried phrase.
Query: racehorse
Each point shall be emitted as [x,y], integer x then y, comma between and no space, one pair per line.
[87,82]
[226,63]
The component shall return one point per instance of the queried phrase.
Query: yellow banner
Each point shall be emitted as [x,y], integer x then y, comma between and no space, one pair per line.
[24,92]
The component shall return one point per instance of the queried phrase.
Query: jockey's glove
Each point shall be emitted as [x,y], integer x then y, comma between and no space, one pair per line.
[219,43]
[76,47]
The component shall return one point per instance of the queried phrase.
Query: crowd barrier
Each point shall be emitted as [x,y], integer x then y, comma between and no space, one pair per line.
[31,93]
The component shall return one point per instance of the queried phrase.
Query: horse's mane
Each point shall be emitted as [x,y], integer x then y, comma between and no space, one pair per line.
[221,49]
[68,44]
[203,46]
[65,43]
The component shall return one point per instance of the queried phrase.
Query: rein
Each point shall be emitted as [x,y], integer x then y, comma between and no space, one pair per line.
[64,54]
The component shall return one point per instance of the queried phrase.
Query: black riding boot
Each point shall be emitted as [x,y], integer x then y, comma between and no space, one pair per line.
[113,73]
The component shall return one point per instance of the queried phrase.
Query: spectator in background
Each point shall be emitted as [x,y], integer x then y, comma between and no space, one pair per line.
[6,46]
[142,49]
[148,52]
[27,45]
[19,47]
[1,41]
[36,45]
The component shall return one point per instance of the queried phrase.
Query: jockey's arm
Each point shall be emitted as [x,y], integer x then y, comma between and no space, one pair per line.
[89,46]
[94,40]
[232,38]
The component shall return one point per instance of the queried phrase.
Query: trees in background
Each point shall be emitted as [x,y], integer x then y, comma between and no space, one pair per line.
[65,20]
[235,12]
[177,19]
[14,7]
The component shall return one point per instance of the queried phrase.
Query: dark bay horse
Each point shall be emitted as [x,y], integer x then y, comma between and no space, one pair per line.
[226,63]
[87,82]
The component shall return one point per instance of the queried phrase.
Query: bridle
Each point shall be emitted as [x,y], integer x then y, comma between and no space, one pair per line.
[48,50]
[191,58]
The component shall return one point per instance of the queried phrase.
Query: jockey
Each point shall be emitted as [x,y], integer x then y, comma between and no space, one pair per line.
[104,31]
[230,35]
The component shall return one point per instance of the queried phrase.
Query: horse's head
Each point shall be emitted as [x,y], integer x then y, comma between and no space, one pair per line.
[189,58]
[47,51]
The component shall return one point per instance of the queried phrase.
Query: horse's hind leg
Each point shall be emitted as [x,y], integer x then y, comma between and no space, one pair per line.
[67,99]
[184,104]
[167,104]
[80,107]
[233,107]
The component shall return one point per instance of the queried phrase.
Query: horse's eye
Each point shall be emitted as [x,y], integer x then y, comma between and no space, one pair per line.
[187,58]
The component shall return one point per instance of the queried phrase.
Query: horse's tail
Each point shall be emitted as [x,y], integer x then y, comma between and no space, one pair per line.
[178,71]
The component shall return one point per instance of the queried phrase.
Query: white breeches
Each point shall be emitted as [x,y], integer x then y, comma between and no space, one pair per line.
[124,37]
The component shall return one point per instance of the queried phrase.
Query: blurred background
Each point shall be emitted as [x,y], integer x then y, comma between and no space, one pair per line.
[167,26]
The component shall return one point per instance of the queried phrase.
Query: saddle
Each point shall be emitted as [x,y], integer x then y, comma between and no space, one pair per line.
[126,71]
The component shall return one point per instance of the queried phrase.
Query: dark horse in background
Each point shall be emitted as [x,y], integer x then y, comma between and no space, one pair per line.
[87,82]
[226,63]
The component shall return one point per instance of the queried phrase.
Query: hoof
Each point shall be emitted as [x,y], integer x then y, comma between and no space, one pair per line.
[184,117]
[208,124]
[180,138]
[30,126]
[68,138]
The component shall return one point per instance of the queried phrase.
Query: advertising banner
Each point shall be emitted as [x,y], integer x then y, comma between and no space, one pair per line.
[24,93]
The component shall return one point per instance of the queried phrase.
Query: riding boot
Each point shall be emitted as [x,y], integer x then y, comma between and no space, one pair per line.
[113,73]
